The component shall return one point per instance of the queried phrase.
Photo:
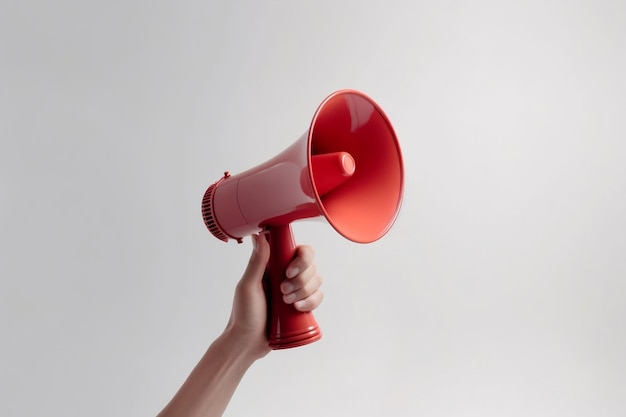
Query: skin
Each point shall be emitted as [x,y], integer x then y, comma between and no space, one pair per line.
[210,386]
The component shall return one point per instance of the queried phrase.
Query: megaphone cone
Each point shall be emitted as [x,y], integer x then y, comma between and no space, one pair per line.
[347,168]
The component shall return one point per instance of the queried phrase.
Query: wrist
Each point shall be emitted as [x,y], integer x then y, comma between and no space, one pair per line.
[241,344]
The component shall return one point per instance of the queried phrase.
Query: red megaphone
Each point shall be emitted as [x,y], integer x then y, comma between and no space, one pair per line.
[347,167]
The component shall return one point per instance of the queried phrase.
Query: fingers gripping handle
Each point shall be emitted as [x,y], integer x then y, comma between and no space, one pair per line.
[287,327]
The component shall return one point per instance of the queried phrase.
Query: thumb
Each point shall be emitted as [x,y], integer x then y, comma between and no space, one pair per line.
[258,259]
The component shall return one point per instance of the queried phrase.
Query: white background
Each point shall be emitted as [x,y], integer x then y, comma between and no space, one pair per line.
[500,291]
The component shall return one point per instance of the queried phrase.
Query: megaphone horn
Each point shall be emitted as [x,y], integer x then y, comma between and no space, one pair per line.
[347,167]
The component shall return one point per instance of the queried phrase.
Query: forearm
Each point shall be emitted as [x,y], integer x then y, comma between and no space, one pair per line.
[210,386]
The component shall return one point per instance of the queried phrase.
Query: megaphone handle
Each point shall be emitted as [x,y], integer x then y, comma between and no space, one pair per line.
[287,327]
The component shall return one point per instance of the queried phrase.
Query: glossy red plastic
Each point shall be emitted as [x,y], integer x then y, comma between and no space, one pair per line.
[347,167]
[287,327]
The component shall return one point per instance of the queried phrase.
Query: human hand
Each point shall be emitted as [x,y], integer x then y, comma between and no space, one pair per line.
[248,318]
[211,384]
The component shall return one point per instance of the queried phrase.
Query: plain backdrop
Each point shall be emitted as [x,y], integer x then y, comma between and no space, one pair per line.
[500,291]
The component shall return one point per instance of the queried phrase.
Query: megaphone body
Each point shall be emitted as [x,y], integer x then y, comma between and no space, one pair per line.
[346,168]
